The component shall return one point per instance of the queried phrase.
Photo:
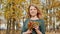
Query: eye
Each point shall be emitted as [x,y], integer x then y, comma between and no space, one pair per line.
[34,9]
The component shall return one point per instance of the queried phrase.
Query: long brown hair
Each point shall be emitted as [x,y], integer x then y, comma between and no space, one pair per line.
[38,11]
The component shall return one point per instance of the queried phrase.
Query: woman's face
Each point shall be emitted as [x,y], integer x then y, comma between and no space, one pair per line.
[33,11]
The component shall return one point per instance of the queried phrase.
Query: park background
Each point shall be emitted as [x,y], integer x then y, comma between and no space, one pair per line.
[13,14]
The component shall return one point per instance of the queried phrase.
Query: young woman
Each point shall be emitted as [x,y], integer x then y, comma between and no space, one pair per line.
[34,16]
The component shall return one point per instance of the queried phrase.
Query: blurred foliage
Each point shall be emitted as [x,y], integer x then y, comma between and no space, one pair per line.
[13,6]
[15,9]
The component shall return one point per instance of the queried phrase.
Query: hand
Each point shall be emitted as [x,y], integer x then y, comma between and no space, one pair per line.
[28,32]
[36,27]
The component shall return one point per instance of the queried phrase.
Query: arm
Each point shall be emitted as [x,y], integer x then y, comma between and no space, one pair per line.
[42,27]
[24,29]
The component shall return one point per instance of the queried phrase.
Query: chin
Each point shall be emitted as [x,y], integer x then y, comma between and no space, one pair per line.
[32,14]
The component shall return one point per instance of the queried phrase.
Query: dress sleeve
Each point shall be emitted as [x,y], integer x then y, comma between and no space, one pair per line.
[42,27]
[24,26]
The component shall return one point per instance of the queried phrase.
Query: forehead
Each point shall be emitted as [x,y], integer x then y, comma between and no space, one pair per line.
[32,7]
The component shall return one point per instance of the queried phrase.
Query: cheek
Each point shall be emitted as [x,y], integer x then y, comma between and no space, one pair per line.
[30,12]
[35,12]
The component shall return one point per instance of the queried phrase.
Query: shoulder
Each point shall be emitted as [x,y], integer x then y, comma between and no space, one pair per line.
[26,20]
[41,20]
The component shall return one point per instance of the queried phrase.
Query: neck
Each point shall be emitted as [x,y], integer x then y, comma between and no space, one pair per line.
[34,18]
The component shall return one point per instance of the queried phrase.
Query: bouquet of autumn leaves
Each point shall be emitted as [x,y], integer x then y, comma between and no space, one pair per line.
[32,24]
